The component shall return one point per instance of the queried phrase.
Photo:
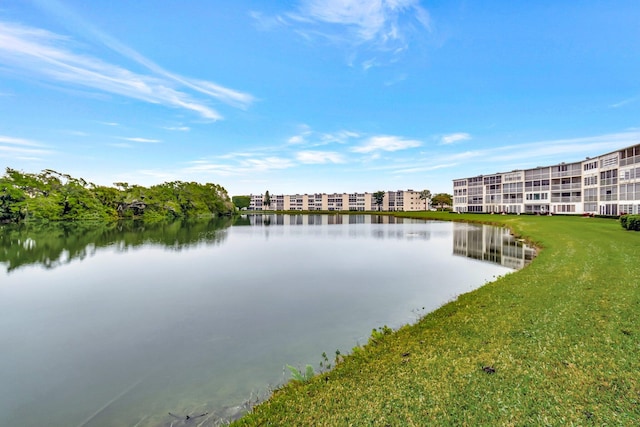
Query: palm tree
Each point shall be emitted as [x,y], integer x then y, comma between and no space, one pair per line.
[425,195]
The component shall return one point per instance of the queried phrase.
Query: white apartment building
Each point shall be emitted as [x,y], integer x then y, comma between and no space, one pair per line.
[400,200]
[606,185]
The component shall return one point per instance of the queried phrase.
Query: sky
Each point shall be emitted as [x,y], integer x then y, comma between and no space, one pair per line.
[307,96]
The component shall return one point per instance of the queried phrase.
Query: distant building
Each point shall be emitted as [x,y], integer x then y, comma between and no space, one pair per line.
[400,200]
[607,185]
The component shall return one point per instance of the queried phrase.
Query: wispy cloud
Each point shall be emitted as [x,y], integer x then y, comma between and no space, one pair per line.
[384,26]
[541,153]
[76,133]
[178,128]
[24,149]
[144,140]
[319,157]
[511,156]
[266,22]
[366,20]
[420,169]
[304,132]
[309,137]
[386,143]
[18,141]
[624,102]
[565,150]
[454,137]
[75,21]
[47,56]
[339,137]
[242,166]
[397,79]
[268,163]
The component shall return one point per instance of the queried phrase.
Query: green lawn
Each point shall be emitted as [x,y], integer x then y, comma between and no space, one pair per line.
[557,343]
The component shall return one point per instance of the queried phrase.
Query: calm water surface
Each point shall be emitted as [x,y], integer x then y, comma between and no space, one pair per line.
[119,325]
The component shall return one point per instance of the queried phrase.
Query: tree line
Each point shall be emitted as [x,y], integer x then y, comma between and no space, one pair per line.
[53,196]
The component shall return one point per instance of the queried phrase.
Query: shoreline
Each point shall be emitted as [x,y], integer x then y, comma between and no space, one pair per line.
[523,349]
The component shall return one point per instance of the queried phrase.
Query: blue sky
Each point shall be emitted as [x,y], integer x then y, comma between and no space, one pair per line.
[307,96]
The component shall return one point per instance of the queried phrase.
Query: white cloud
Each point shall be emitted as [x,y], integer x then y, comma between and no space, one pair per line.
[319,157]
[455,137]
[44,55]
[370,20]
[243,165]
[266,23]
[18,141]
[24,149]
[144,140]
[340,137]
[178,128]
[384,26]
[268,163]
[205,167]
[623,102]
[424,168]
[304,132]
[541,153]
[309,137]
[296,139]
[386,143]
[75,21]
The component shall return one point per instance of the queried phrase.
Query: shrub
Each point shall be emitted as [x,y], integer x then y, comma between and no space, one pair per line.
[630,222]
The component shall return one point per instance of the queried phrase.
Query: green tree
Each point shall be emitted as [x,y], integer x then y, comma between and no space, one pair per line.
[267,199]
[241,202]
[378,198]
[442,200]
[53,196]
[11,199]
[426,196]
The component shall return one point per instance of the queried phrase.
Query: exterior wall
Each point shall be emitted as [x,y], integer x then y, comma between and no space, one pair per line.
[629,181]
[607,185]
[359,202]
[256,202]
[401,200]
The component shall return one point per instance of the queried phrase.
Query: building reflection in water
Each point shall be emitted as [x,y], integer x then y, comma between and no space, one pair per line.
[482,242]
[323,219]
[493,244]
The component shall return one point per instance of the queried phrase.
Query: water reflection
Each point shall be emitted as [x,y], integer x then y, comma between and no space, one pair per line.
[320,219]
[193,317]
[345,220]
[491,244]
[55,244]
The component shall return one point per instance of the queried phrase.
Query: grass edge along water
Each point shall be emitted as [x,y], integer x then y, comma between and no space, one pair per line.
[555,343]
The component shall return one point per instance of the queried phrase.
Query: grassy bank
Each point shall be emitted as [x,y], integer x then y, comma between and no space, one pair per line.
[556,343]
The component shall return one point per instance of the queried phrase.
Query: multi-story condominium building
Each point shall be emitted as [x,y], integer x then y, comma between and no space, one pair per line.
[401,200]
[607,185]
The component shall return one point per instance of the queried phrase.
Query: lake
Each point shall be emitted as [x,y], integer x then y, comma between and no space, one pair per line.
[121,324]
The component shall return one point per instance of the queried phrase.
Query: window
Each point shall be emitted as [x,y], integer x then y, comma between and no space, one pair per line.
[608,161]
[590,165]
[591,180]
